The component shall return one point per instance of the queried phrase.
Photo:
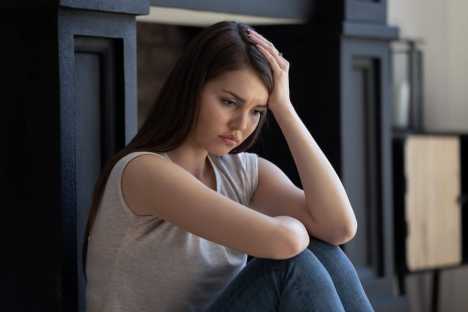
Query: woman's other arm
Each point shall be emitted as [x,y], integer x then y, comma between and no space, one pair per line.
[325,196]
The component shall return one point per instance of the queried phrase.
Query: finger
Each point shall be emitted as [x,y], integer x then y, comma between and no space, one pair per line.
[253,32]
[270,57]
[273,52]
[282,62]
[262,39]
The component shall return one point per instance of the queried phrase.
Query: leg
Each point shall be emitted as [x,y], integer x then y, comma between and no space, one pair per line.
[344,275]
[297,284]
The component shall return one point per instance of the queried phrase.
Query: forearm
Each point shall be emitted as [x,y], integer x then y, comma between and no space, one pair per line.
[326,198]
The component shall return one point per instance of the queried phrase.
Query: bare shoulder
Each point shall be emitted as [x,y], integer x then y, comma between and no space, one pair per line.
[146,159]
[139,165]
[141,174]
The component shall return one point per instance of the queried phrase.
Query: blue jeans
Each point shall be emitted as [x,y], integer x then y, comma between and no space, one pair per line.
[320,278]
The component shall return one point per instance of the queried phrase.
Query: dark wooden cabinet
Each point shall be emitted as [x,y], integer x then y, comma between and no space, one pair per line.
[72,103]
[340,86]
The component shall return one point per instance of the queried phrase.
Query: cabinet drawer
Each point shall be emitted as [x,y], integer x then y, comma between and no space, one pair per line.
[432,210]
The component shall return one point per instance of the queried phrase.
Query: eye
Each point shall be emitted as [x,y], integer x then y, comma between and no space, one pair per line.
[228,102]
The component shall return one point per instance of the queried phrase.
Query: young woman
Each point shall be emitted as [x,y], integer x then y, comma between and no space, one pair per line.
[177,211]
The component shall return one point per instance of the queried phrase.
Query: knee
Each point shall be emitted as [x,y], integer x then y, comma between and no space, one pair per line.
[307,265]
[330,255]
[305,260]
[323,248]
[323,244]
[304,256]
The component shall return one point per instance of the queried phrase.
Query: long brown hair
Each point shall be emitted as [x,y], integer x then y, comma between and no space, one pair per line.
[221,47]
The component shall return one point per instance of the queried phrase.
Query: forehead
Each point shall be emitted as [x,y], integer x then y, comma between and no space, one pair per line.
[243,82]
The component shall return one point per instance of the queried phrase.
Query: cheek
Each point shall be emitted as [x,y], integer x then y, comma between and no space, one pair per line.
[207,109]
[213,108]
[210,119]
[255,124]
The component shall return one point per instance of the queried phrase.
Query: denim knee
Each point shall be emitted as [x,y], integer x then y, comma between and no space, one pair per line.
[304,256]
[330,255]
[304,270]
[302,260]
[318,243]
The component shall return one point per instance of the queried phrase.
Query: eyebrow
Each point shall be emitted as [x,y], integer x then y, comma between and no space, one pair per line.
[239,98]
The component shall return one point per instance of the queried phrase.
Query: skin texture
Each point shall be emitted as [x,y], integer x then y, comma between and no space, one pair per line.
[221,113]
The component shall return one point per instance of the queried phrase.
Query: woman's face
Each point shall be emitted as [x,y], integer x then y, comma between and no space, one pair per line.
[230,105]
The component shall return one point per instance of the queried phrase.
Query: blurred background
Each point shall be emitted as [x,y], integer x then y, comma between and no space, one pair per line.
[382,85]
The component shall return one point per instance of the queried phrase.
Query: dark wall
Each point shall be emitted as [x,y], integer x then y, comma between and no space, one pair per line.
[267,8]
[69,99]
[30,167]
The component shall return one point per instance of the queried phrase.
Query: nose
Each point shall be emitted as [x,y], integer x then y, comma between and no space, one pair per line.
[240,122]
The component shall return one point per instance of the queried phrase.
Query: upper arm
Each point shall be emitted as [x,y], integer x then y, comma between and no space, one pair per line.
[276,195]
[155,186]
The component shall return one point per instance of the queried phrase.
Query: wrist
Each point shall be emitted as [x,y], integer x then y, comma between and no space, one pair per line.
[282,108]
[284,114]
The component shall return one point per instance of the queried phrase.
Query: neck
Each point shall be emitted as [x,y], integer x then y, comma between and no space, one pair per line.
[195,163]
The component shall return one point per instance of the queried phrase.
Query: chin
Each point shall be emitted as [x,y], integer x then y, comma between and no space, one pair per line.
[220,153]
[217,151]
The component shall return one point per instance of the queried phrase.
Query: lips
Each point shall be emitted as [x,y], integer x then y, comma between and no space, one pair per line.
[229,139]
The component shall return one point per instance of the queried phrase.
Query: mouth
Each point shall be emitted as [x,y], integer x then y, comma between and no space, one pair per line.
[228,141]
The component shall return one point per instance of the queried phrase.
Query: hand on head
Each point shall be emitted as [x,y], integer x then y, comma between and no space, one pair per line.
[279,97]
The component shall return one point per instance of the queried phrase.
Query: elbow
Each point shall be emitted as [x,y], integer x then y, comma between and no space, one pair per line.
[348,236]
[301,244]
[345,234]
[295,239]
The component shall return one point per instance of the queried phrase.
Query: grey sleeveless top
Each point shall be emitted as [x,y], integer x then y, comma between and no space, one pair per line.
[144,263]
